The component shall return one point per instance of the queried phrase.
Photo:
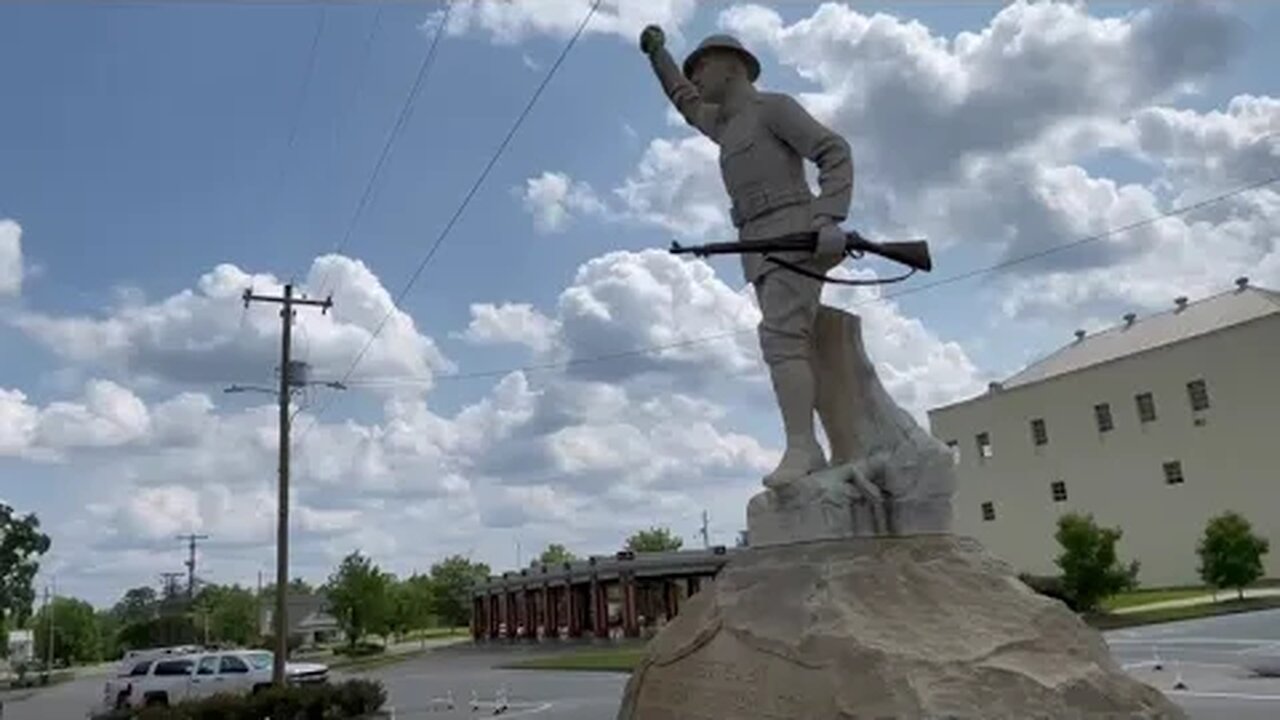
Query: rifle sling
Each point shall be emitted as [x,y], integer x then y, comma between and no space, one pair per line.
[837,281]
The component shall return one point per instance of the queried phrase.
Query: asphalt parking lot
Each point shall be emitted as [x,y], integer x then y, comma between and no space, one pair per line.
[1205,655]
[1208,657]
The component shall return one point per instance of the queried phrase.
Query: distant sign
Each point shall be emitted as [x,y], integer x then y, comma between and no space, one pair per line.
[22,646]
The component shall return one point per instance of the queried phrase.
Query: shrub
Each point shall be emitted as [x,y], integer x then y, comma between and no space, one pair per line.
[1091,572]
[358,697]
[363,649]
[350,699]
[1230,553]
[1049,586]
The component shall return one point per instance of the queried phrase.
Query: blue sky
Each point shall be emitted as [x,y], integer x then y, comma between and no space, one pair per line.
[143,145]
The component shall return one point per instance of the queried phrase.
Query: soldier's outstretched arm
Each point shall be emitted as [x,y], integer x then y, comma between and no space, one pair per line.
[682,93]
[822,146]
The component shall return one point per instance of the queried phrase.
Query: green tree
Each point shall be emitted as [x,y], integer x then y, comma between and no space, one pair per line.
[555,554]
[138,605]
[159,631]
[108,634]
[75,631]
[21,545]
[655,539]
[420,596]
[358,593]
[453,579]
[1091,571]
[230,611]
[1230,553]
[399,617]
[297,586]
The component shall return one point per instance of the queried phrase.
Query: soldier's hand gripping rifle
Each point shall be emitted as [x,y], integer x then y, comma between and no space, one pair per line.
[915,254]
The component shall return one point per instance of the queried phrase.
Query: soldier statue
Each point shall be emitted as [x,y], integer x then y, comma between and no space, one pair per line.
[764,138]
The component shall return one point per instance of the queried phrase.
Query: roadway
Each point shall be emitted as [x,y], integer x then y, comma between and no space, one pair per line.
[1206,655]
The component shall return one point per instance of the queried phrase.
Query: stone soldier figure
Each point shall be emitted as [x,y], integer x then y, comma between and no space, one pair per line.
[764,139]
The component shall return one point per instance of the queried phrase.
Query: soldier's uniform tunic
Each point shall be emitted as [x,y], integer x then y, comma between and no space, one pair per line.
[762,153]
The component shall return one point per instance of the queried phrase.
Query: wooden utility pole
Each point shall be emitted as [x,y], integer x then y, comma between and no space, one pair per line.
[287,301]
[191,539]
[170,585]
[50,599]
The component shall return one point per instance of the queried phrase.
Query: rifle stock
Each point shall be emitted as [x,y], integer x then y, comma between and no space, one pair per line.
[914,254]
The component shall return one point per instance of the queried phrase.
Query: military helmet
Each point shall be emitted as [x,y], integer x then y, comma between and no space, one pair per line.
[723,42]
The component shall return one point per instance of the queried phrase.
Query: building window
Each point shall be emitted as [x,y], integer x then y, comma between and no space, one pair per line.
[954,447]
[1173,473]
[1039,434]
[984,445]
[988,511]
[1059,489]
[1198,394]
[1146,407]
[1102,414]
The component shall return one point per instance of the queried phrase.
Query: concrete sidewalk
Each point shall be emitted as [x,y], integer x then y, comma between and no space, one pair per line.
[1205,599]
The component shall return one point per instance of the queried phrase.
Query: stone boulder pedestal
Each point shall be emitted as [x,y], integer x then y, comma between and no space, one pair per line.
[909,628]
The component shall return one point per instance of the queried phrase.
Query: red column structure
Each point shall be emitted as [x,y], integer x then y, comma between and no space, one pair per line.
[477,618]
[630,622]
[695,584]
[574,607]
[530,614]
[599,609]
[550,610]
[671,599]
[513,613]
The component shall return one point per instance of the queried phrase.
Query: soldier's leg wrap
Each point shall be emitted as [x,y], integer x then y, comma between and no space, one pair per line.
[789,305]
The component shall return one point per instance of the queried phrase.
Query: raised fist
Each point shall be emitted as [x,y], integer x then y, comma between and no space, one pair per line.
[652,39]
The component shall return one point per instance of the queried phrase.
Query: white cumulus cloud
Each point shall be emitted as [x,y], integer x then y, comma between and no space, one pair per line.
[204,334]
[553,199]
[10,257]
[509,22]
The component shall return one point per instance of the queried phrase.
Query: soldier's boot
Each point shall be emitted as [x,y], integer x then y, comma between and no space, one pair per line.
[793,384]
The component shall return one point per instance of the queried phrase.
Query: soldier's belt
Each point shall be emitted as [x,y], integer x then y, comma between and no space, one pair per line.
[756,202]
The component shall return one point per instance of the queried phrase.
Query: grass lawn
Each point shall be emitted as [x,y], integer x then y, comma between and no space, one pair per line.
[1191,612]
[436,633]
[609,660]
[1152,595]
[369,662]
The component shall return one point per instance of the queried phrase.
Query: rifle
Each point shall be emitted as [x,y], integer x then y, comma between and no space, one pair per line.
[915,254]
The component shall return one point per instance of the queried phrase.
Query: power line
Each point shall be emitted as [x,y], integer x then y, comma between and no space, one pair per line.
[949,280]
[424,69]
[297,108]
[462,207]
[1174,212]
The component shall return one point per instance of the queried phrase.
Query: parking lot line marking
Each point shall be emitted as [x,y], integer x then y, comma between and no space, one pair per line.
[1272,646]
[1193,641]
[530,711]
[1167,662]
[1224,695]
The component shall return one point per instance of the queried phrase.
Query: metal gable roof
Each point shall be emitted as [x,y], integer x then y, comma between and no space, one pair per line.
[1166,328]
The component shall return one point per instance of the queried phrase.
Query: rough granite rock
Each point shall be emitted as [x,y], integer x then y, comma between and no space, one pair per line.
[917,628]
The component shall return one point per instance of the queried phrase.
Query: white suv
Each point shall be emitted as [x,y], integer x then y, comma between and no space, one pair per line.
[169,679]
